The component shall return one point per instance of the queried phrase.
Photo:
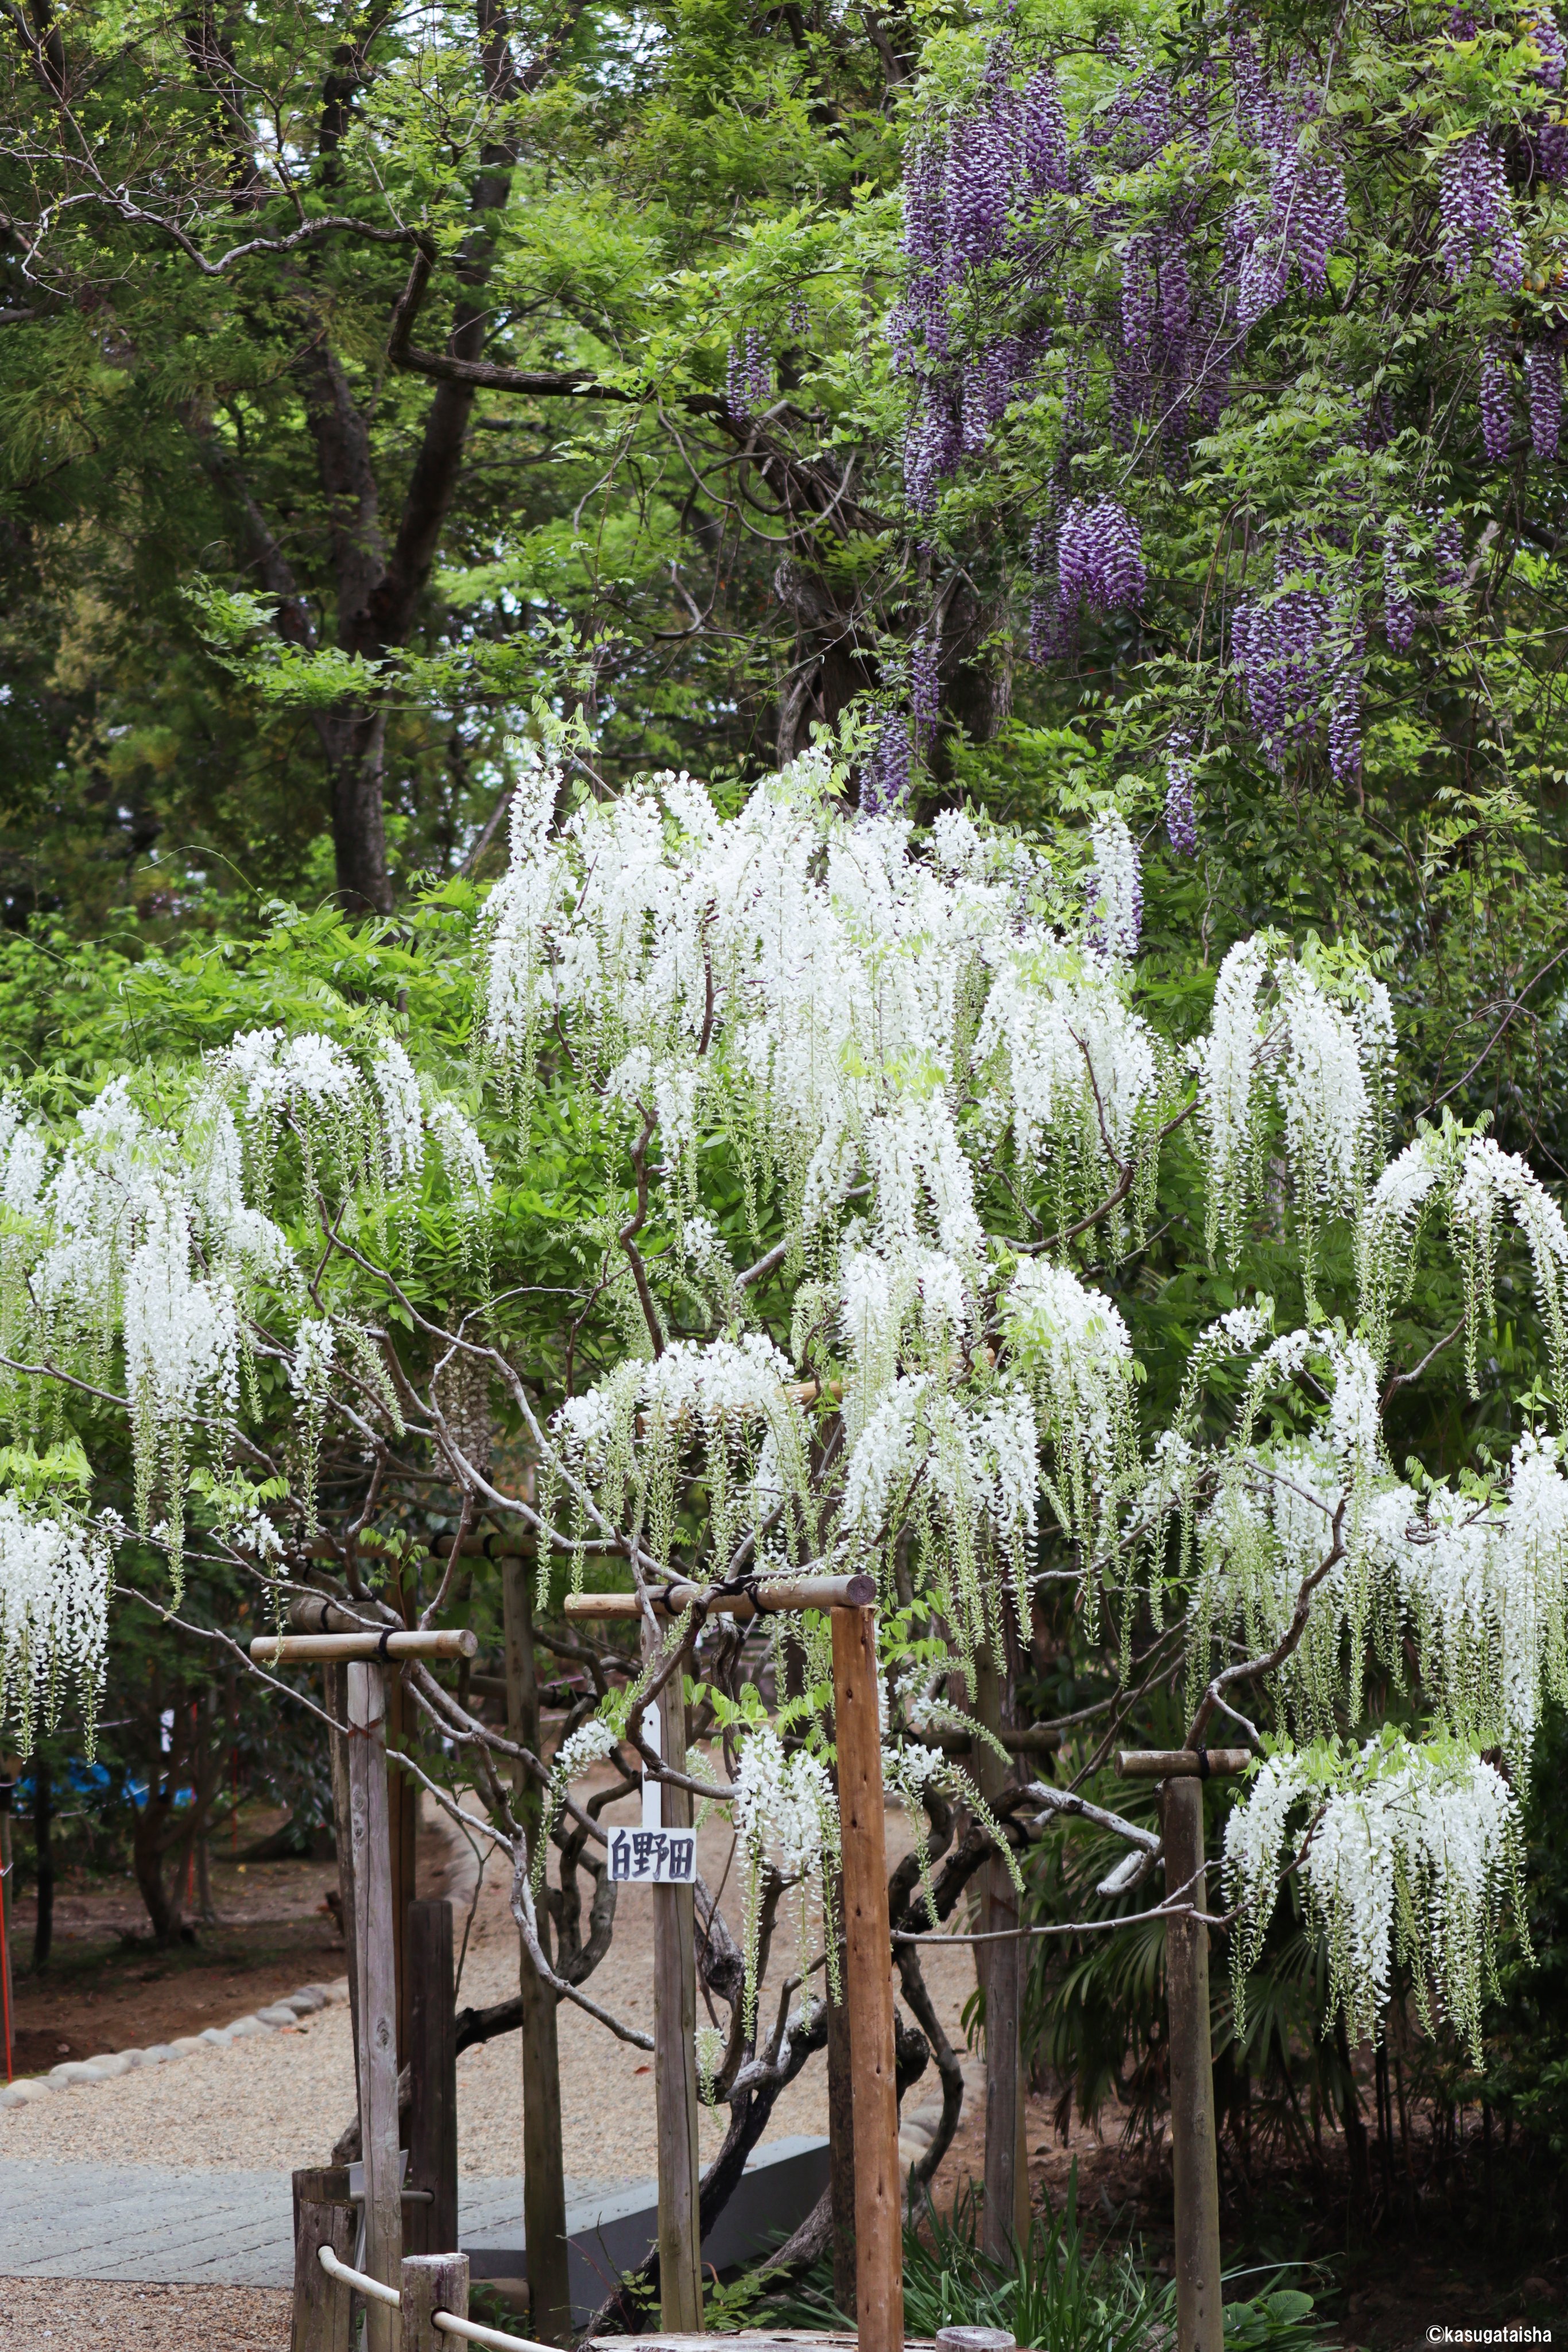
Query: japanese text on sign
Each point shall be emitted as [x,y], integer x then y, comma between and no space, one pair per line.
[653,1857]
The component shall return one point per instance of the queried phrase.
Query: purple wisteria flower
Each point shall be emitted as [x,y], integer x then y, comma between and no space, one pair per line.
[1448,548]
[932,446]
[886,772]
[1283,649]
[1476,212]
[1544,394]
[1042,130]
[1046,637]
[1181,794]
[1545,32]
[1344,703]
[749,379]
[1099,559]
[1398,605]
[925,684]
[1496,421]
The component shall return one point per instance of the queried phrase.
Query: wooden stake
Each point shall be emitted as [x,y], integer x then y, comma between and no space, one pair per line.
[879,2235]
[432,2282]
[323,2216]
[1200,2314]
[842,2139]
[674,2054]
[378,1990]
[336,1692]
[544,2172]
[432,2069]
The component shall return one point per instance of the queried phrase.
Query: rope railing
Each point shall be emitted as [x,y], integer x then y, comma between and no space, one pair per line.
[469,2330]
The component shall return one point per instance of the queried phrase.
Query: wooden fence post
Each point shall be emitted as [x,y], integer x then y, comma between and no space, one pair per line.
[378,1988]
[544,2176]
[323,2216]
[433,2066]
[1200,2323]
[674,2054]
[879,2219]
[335,1677]
[432,2282]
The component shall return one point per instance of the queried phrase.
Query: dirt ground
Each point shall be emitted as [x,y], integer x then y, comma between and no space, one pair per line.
[101,2315]
[107,1986]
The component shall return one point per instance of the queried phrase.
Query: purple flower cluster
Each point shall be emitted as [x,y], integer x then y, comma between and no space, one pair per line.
[748,381]
[1543,394]
[931,446]
[1181,794]
[1306,212]
[1284,649]
[1545,32]
[1496,424]
[885,771]
[1476,213]
[925,684]
[1398,605]
[1042,130]
[1448,548]
[1099,559]
[1046,635]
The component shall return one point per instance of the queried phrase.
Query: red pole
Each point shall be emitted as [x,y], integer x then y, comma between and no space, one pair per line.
[5,1788]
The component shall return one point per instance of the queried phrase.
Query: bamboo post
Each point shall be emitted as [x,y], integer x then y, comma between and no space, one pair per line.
[674,2054]
[1195,2156]
[544,2179]
[432,2282]
[377,1988]
[323,2216]
[432,2069]
[879,2236]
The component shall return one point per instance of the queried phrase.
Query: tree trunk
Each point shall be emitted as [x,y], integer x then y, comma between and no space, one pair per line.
[999,1967]
[151,1839]
[354,741]
[44,1845]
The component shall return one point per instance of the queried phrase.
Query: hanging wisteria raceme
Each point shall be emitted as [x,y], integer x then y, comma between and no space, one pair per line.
[889,764]
[1475,208]
[1181,794]
[1497,422]
[748,379]
[1286,650]
[1100,559]
[785,1811]
[1113,888]
[1409,1853]
[1398,605]
[1543,397]
[1344,705]
[56,1578]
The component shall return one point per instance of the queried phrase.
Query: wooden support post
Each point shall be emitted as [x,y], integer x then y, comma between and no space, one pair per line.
[1195,2157]
[842,2139]
[544,2171]
[674,2054]
[1004,2219]
[335,1677]
[378,1990]
[879,2232]
[432,2282]
[402,1822]
[432,2069]
[323,2216]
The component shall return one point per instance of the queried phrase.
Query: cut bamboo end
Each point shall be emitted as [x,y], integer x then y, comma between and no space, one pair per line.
[1180,1763]
[324,1649]
[774,1596]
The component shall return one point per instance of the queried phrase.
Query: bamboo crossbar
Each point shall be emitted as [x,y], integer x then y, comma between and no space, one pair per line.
[1181,1763]
[772,1596]
[488,1546]
[448,2321]
[325,1649]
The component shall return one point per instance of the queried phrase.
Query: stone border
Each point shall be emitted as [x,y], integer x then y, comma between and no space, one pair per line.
[110,2065]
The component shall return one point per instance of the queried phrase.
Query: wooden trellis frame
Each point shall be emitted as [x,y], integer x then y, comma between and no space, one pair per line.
[851,1602]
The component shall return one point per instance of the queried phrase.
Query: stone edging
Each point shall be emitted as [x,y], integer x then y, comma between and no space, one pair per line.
[108,2067]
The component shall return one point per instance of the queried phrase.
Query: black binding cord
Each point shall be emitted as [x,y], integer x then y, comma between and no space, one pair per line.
[1202,1762]
[382,1650]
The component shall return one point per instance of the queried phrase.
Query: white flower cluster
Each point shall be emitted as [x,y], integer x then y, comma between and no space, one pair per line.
[1409,1852]
[55,1576]
[786,1811]
[1320,1041]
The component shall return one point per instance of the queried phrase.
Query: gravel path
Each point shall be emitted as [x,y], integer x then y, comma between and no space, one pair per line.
[282,2100]
[92,2315]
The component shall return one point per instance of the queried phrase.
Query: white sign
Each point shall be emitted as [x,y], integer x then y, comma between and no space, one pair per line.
[653,1855]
